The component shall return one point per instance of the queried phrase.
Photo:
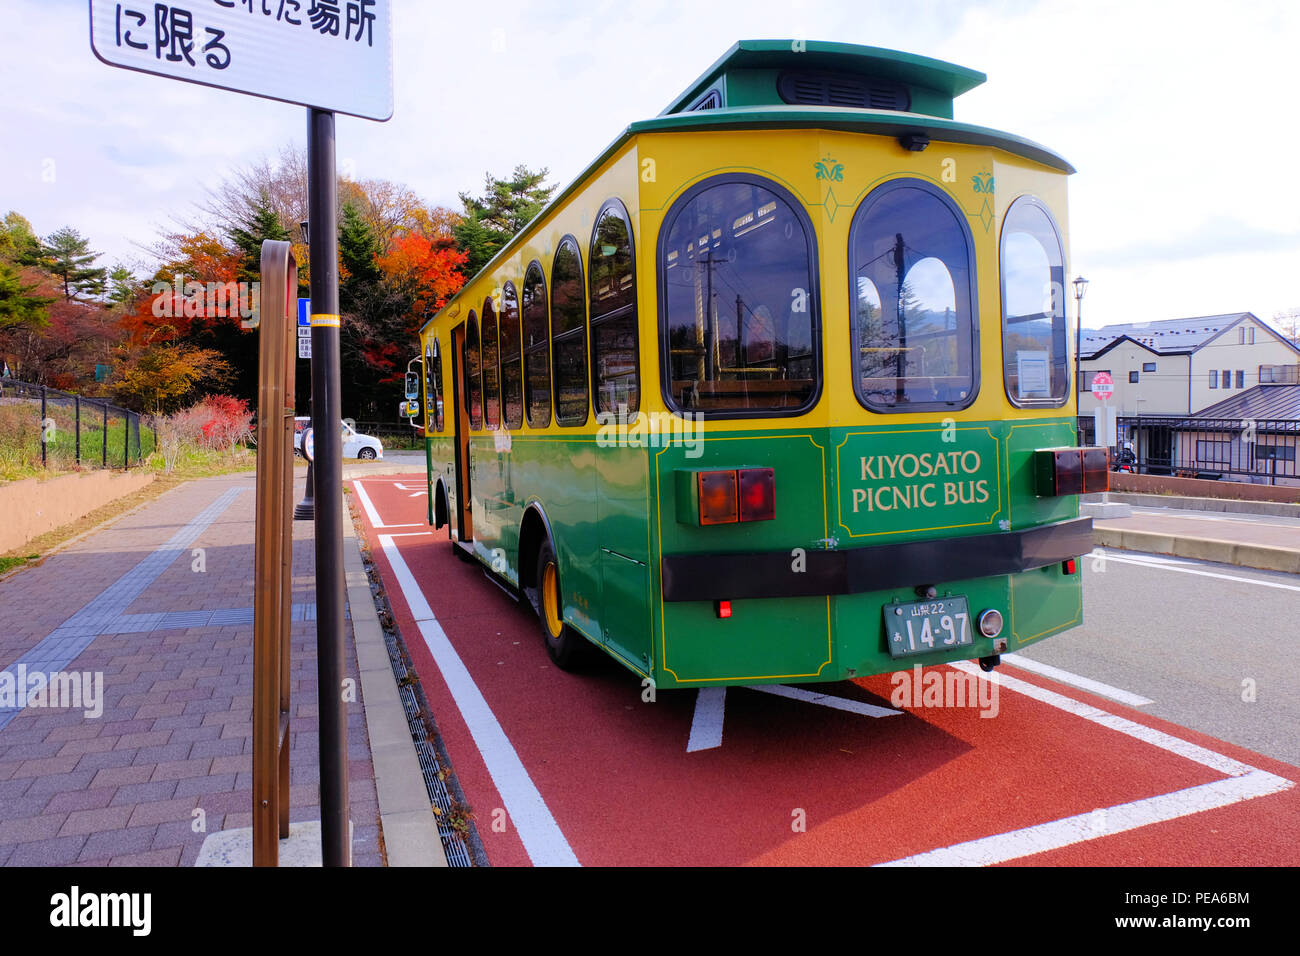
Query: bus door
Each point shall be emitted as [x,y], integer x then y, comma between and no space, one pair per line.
[460,418]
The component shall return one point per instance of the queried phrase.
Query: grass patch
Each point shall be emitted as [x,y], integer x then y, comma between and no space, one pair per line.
[7,564]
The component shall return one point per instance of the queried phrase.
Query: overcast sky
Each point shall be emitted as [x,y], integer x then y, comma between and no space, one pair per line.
[1180,116]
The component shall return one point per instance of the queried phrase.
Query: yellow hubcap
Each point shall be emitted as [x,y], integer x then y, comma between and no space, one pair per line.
[551,600]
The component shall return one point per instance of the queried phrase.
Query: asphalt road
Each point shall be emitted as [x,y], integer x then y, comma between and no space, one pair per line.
[1195,638]
[581,767]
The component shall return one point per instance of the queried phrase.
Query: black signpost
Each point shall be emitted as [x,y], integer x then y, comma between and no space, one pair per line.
[326,418]
[333,60]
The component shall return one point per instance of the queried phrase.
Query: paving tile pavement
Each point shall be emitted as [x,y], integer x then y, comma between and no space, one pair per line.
[168,759]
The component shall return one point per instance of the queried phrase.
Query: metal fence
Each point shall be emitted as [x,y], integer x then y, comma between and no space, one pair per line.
[1233,449]
[392,434]
[44,426]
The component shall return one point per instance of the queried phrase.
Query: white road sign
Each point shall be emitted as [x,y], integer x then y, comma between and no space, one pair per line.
[304,348]
[330,55]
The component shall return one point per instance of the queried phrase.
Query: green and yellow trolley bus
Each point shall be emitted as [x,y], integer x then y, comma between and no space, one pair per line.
[779,389]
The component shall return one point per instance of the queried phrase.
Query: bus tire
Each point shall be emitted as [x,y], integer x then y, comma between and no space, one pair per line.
[565,645]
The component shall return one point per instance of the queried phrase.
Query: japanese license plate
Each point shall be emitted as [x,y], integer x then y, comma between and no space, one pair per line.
[925,626]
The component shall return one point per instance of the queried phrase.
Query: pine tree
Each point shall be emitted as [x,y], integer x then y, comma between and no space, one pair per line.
[18,308]
[67,255]
[493,219]
[261,223]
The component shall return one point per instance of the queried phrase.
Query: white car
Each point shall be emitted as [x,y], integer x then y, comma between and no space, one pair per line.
[355,444]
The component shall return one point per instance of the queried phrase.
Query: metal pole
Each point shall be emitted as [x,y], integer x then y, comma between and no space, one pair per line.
[77,405]
[43,431]
[103,440]
[126,439]
[327,414]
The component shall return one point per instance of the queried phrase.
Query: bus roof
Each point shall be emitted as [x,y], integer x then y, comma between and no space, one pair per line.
[746,74]
[928,81]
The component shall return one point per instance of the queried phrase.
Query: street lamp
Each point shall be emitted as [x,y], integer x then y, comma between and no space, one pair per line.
[1080,287]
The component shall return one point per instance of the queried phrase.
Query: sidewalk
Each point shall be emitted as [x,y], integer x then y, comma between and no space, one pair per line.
[151,619]
[1258,541]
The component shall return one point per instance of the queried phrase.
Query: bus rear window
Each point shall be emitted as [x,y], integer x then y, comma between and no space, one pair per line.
[737,265]
[912,273]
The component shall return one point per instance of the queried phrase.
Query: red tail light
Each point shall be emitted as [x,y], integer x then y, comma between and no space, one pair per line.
[1070,566]
[718,497]
[723,608]
[757,494]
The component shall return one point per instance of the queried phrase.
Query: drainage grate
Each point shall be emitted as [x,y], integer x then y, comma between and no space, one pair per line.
[460,840]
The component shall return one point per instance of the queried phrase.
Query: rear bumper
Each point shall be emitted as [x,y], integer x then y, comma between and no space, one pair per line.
[765,574]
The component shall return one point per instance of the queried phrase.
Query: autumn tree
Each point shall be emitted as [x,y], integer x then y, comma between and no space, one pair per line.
[160,376]
[18,242]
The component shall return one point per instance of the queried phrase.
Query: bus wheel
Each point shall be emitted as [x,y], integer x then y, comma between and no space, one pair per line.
[563,643]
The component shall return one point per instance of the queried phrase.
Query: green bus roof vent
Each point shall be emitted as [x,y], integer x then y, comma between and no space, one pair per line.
[766,73]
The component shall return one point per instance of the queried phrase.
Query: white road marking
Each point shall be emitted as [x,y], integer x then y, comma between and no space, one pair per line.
[1155,561]
[710,710]
[537,829]
[419,492]
[1076,680]
[372,514]
[1089,826]
[825,700]
[706,725]
[1244,783]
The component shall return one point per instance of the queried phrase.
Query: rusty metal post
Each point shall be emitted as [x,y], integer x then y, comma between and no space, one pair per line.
[273,561]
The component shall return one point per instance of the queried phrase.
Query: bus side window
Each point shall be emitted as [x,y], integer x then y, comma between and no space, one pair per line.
[569,334]
[473,376]
[612,290]
[433,384]
[512,383]
[491,394]
[537,348]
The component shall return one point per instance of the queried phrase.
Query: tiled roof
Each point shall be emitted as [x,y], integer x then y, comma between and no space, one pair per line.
[1167,335]
[1262,403]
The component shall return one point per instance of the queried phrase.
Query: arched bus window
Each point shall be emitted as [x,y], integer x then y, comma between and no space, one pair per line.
[433,385]
[912,271]
[569,334]
[537,348]
[1033,306]
[491,390]
[739,306]
[612,285]
[512,381]
[473,378]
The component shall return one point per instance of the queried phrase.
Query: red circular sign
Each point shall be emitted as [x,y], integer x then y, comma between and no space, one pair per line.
[1103,386]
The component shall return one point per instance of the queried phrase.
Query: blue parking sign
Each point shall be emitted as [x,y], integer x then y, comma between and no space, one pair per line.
[304,312]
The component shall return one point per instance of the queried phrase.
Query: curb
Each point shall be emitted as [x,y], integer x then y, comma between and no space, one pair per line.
[1203,549]
[1223,505]
[406,819]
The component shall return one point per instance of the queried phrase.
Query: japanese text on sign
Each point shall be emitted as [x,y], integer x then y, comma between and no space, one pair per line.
[331,54]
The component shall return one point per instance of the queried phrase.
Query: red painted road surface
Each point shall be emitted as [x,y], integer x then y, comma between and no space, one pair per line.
[607,778]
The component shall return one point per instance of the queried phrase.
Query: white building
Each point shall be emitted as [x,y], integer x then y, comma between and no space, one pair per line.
[1180,366]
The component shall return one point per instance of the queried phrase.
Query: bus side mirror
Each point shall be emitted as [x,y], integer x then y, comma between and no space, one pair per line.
[412,385]
[408,409]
